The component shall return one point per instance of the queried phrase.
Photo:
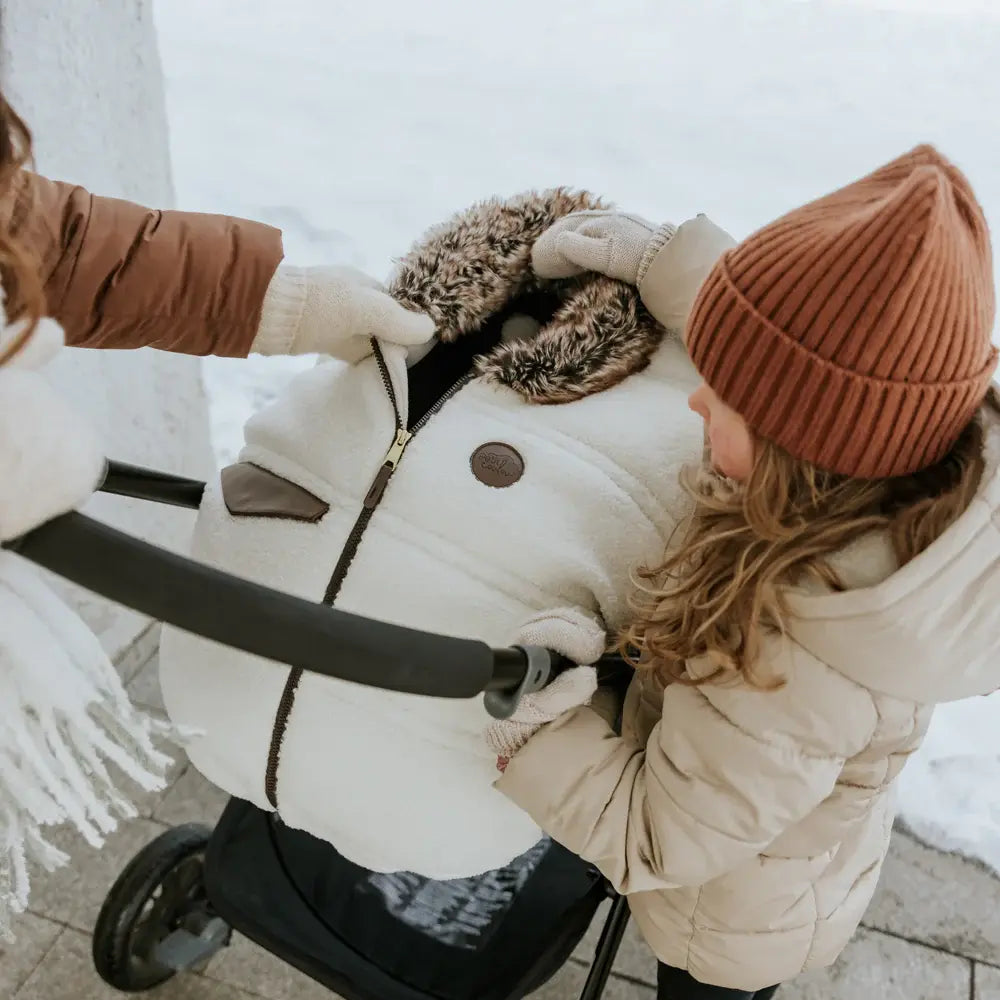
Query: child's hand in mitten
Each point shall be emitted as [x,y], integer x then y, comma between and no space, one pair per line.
[571,689]
[580,638]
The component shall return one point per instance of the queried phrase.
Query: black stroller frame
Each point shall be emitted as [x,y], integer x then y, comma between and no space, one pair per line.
[175,905]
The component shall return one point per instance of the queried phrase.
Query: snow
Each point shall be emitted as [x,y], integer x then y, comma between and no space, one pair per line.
[355,126]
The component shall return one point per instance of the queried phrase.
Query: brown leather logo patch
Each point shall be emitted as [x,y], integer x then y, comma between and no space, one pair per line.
[496,464]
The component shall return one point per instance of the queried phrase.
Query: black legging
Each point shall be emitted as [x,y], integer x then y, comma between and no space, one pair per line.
[673,984]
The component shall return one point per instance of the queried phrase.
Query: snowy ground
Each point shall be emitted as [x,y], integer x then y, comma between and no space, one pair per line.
[354,126]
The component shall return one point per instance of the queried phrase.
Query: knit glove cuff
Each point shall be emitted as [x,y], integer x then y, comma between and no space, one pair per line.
[571,689]
[609,243]
[578,637]
[660,239]
[334,311]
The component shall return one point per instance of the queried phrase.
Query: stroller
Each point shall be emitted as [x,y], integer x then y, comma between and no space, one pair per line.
[367,936]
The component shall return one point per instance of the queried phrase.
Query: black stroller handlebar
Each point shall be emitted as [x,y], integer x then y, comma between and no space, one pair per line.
[123,480]
[266,622]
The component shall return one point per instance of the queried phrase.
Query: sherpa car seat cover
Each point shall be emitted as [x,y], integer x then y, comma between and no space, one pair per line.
[516,507]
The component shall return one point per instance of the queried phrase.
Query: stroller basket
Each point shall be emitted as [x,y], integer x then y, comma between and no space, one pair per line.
[497,936]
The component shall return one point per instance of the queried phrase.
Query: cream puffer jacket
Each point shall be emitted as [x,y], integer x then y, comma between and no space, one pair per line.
[749,828]
[514,510]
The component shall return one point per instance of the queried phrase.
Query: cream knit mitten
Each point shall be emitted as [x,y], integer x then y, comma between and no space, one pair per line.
[333,311]
[610,243]
[580,639]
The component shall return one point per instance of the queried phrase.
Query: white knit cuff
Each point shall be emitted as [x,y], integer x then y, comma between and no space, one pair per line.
[281,313]
[660,239]
[505,736]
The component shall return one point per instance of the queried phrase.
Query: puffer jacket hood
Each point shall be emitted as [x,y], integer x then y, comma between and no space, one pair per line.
[931,630]
[749,827]
[473,267]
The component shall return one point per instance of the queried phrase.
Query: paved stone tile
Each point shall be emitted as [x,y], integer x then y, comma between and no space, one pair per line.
[940,899]
[35,936]
[191,799]
[876,965]
[568,982]
[634,960]
[873,962]
[246,966]
[144,686]
[928,896]
[68,974]
[987,981]
[143,648]
[74,895]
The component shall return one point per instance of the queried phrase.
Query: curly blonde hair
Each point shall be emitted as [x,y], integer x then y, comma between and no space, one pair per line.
[19,273]
[722,588]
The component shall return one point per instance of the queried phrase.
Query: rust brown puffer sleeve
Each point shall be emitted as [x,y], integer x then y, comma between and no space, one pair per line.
[118,275]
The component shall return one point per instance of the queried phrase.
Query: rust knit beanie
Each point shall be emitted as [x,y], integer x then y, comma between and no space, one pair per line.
[855,331]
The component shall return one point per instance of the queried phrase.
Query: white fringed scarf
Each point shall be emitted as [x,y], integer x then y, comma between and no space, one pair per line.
[64,715]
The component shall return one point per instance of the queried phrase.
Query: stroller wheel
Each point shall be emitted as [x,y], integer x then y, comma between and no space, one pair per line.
[156,919]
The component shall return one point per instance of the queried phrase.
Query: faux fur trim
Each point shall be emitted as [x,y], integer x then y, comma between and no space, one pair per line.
[600,335]
[471,267]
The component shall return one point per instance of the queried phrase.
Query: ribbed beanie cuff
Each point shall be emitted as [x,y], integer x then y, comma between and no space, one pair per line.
[829,416]
[855,332]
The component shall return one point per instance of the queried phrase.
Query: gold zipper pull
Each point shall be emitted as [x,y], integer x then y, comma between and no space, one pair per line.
[395,452]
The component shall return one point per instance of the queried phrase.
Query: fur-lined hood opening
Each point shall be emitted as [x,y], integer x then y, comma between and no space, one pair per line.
[478,263]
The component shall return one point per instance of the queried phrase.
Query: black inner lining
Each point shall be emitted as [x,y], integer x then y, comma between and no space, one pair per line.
[433,375]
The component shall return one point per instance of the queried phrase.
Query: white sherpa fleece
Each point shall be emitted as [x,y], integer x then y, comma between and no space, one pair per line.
[398,781]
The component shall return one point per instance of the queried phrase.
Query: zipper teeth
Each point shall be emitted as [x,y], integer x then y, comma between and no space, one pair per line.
[460,384]
[278,735]
[354,538]
[347,556]
[340,571]
[387,382]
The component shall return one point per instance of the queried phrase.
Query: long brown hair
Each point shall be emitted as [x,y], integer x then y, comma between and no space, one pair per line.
[722,588]
[19,272]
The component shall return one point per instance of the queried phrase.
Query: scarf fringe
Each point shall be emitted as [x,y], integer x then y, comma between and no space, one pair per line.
[67,724]
[54,770]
